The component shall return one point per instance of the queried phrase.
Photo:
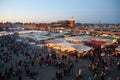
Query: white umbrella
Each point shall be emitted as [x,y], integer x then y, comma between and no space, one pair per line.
[117,49]
[102,54]
[32,43]
[39,45]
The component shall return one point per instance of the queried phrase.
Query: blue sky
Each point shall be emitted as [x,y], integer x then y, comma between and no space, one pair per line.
[84,11]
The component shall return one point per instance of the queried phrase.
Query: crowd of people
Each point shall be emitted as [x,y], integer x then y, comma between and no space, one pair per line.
[14,67]
[101,62]
[11,66]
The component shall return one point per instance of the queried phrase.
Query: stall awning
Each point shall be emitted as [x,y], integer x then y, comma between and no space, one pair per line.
[82,48]
[65,44]
[98,42]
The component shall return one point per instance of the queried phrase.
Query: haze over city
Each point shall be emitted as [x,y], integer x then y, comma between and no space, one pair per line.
[84,11]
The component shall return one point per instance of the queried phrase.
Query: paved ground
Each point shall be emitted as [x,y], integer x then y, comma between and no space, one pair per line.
[48,72]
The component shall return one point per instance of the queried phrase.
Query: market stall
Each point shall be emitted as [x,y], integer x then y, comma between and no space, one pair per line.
[82,49]
[79,39]
[62,46]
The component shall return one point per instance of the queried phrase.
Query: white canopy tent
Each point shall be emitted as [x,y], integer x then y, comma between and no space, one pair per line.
[79,38]
[63,46]
[56,40]
[64,43]
[81,48]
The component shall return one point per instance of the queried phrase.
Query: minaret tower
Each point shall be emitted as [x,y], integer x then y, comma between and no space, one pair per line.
[72,22]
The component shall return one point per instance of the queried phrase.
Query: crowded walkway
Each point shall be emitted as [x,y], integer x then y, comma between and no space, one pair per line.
[20,61]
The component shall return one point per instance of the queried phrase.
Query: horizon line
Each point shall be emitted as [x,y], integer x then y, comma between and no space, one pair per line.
[63,20]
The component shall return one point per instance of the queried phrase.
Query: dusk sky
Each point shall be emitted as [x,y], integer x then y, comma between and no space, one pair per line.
[84,11]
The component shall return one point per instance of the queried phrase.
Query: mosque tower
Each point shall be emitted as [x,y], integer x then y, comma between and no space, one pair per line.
[72,22]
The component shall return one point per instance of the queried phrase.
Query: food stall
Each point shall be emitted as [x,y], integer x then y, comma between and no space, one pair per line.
[82,49]
[78,39]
